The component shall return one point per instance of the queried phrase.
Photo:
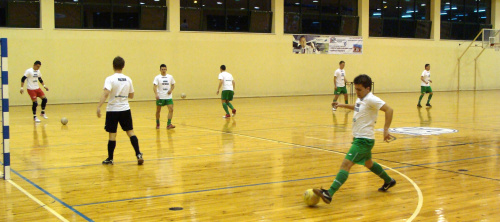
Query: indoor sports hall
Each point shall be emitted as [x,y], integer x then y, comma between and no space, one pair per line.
[285,138]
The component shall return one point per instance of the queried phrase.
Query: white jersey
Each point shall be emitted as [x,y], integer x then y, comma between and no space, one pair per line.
[340,74]
[164,84]
[427,76]
[120,86]
[308,50]
[32,77]
[227,79]
[365,116]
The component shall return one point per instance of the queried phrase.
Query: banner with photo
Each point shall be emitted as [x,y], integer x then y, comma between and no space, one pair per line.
[317,44]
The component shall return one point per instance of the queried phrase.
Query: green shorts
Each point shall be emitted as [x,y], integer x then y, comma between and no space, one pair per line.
[227,95]
[164,102]
[425,89]
[360,151]
[340,90]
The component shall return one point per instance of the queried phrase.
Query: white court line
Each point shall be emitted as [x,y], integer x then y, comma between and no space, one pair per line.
[318,138]
[38,202]
[419,192]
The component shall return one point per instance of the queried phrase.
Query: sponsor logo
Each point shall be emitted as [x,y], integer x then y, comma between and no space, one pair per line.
[420,131]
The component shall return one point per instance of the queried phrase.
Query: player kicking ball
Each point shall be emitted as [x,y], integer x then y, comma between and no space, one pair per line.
[365,115]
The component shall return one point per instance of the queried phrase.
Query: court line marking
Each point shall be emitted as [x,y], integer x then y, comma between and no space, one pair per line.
[52,196]
[38,201]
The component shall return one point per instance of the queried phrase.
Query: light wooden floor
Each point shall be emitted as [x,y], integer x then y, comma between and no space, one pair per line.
[256,166]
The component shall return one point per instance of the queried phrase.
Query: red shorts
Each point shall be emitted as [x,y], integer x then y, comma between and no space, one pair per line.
[35,93]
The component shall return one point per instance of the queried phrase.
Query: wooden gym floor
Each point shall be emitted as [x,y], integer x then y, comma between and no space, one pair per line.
[256,166]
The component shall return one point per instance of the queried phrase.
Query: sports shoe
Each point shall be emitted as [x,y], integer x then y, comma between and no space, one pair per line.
[139,159]
[386,186]
[44,116]
[107,161]
[36,119]
[325,196]
[333,109]
[170,126]
[226,116]
[428,104]
[158,126]
[234,112]
[419,106]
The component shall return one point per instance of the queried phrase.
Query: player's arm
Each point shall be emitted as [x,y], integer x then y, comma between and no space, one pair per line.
[388,120]
[335,81]
[155,90]
[22,83]
[423,80]
[172,87]
[220,84]
[104,95]
[41,81]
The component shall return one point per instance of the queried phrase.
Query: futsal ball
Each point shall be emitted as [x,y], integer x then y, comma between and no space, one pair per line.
[64,120]
[183,95]
[310,198]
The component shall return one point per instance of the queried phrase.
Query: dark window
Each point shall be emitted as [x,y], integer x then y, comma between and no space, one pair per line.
[111,14]
[226,15]
[336,17]
[400,18]
[20,13]
[464,19]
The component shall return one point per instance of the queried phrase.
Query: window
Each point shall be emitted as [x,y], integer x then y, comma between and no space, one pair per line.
[111,14]
[463,19]
[226,15]
[19,13]
[335,17]
[400,18]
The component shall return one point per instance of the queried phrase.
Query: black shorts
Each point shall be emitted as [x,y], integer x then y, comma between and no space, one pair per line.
[122,117]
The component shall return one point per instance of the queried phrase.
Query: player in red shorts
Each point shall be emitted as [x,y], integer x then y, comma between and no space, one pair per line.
[34,76]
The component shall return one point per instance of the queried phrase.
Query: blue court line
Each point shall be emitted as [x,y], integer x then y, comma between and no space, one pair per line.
[52,196]
[277,182]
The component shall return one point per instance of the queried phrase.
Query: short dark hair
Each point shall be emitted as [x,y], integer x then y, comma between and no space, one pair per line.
[341,62]
[118,63]
[223,67]
[363,80]
[427,65]
[163,65]
[37,63]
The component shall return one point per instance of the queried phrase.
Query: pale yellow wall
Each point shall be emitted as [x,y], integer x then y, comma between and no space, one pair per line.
[76,62]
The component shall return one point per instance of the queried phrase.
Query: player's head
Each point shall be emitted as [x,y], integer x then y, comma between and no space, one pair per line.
[222,68]
[118,63]
[163,68]
[341,64]
[363,85]
[427,67]
[37,65]
[302,41]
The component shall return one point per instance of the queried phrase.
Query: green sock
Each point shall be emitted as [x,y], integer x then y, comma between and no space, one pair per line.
[420,99]
[377,169]
[157,122]
[230,105]
[429,99]
[334,100]
[169,122]
[225,108]
[339,180]
[346,102]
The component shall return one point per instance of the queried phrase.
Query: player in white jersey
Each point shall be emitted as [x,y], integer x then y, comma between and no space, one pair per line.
[163,85]
[340,82]
[227,82]
[33,75]
[365,115]
[425,86]
[119,88]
